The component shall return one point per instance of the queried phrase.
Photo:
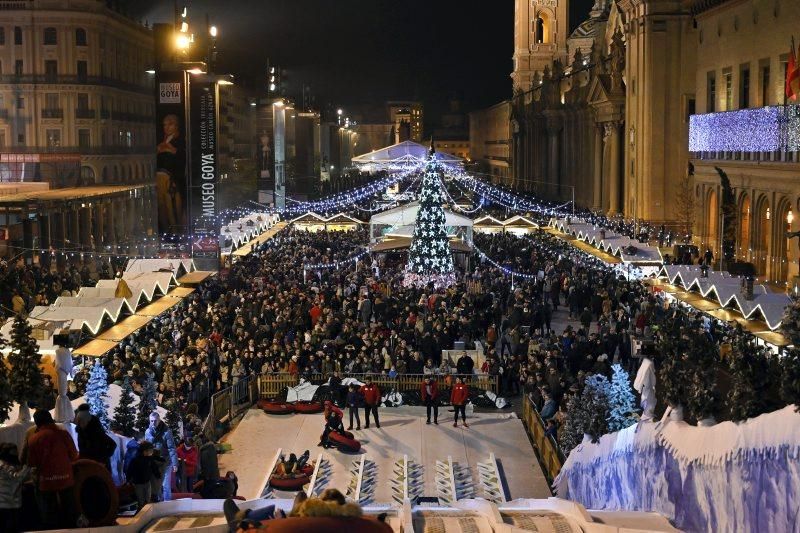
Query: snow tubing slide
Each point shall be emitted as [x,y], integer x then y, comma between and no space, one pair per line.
[345,443]
[276,408]
[96,496]
[308,407]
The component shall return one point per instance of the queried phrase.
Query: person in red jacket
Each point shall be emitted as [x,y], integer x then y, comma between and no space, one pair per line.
[188,456]
[429,391]
[51,451]
[458,398]
[372,398]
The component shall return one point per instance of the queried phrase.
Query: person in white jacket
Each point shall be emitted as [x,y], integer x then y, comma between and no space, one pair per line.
[12,476]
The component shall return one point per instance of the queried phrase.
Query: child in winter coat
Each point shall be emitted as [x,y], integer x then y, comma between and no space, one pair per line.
[142,470]
[12,476]
[188,455]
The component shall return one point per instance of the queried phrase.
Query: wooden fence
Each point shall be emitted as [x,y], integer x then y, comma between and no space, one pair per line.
[271,385]
[548,450]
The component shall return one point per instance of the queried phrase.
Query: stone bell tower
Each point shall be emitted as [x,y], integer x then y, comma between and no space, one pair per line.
[541,28]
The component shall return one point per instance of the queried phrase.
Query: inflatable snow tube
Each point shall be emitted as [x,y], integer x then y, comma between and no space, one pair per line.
[293,524]
[276,408]
[96,496]
[345,443]
[289,483]
[308,407]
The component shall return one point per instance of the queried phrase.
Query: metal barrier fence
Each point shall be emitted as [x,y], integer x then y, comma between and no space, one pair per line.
[549,453]
[228,403]
[271,385]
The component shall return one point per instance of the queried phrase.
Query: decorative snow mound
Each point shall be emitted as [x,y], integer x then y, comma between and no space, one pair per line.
[728,477]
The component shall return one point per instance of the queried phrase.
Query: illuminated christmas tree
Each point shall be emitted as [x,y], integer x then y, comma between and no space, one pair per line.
[429,259]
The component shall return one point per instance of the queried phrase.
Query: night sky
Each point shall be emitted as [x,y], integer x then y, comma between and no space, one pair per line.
[366,51]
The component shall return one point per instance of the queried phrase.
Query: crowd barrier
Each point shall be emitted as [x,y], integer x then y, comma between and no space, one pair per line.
[271,385]
[549,454]
[226,404]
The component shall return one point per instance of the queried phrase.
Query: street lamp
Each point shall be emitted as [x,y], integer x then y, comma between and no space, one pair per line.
[213,31]
[182,41]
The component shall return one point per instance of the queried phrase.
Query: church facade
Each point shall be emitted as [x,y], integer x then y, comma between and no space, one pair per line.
[606,113]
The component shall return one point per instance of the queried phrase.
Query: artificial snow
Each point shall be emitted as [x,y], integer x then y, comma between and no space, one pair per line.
[727,477]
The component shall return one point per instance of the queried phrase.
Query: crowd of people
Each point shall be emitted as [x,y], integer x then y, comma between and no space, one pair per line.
[285,309]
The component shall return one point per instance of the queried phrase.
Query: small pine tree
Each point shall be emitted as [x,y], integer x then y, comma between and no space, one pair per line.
[703,360]
[621,401]
[147,404]
[5,386]
[595,398]
[572,433]
[26,379]
[125,414]
[750,380]
[97,393]
[790,380]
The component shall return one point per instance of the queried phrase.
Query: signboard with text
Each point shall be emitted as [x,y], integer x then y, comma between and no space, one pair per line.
[203,193]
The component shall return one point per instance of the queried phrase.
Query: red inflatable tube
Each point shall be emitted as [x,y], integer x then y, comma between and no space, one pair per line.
[276,408]
[307,407]
[289,483]
[345,443]
[96,496]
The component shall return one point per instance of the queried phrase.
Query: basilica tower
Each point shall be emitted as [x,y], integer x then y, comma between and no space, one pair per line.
[541,28]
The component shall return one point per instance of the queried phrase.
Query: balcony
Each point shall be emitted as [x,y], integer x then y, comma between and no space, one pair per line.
[52,113]
[46,79]
[769,133]
[85,113]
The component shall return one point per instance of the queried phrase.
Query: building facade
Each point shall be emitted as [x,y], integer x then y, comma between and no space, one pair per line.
[743,130]
[490,139]
[73,80]
[407,118]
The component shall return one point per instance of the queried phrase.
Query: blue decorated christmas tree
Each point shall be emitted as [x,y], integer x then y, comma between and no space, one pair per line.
[147,404]
[621,401]
[97,394]
[429,258]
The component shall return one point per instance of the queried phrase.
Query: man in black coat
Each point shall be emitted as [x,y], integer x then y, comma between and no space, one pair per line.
[465,364]
[93,441]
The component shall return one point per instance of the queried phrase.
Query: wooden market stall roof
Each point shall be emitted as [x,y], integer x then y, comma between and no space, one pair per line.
[125,327]
[195,278]
[66,194]
[586,247]
[96,348]
[264,237]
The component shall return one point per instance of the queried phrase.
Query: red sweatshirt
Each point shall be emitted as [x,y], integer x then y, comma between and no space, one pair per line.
[459,394]
[372,394]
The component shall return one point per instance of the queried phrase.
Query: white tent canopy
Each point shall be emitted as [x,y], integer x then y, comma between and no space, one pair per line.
[178,267]
[402,219]
[401,154]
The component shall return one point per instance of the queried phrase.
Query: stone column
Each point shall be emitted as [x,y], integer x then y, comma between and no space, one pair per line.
[612,136]
[597,193]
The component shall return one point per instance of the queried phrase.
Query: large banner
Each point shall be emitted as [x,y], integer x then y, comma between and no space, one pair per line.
[205,225]
[171,160]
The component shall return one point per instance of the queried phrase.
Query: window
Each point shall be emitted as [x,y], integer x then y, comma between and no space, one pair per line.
[728,77]
[50,36]
[51,70]
[765,84]
[80,37]
[744,87]
[21,138]
[711,92]
[84,139]
[51,101]
[2,139]
[83,70]
[2,35]
[18,67]
[21,102]
[17,35]
[83,101]
[53,138]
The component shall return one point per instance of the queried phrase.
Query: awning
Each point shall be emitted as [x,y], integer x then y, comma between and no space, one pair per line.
[96,348]
[125,328]
[159,306]
[195,278]
[181,292]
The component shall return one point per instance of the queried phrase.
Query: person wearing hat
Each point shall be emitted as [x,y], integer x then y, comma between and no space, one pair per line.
[142,470]
[372,398]
[429,391]
[51,452]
